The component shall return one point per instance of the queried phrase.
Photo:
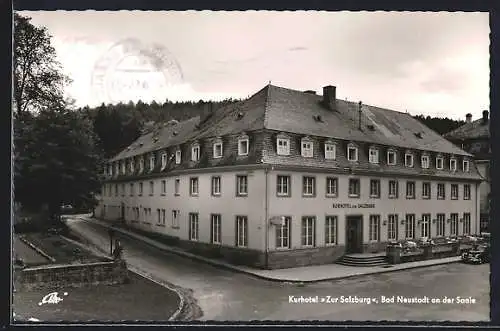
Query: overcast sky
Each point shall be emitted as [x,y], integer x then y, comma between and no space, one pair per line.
[426,63]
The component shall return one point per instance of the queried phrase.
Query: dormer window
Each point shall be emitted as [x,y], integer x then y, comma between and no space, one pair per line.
[141,164]
[439,163]
[152,161]
[306,147]
[124,167]
[330,150]
[117,168]
[425,161]
[110,169]
[218,149]
[391,157]
[352,152]
[409,160]
[243,145]
[465,166]
[195,152]
[178,158]
[283,146]
[131,165]
[163,160]
[373,155]
[453,164]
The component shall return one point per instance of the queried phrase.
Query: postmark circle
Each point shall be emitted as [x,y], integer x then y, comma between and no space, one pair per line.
[132,70]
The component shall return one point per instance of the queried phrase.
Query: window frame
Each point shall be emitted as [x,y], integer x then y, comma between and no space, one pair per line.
[212,186]
[375,195]
[280,232]
[216,231]
[425,224]
[194,186]
[194,227]
[464,167]
[218,143]
[443,196]
[247,144]
[375,158]
[178,156]
[163,160]
[410,183]
[439,160]
[239,192]
[332,187]
[429,195]
[356,152]
[392,227]
[177,186]
[454,189]
[195,152]
[175,219]
[357,185]
[330,154]
[283,150]
[241,231]
[453,161]
[374,224]
[396,189]
[331,230]
[427,163]
[409,164]
[305,185]
[440,225]
[163,187]
[410,222]
[280,185]
[467,192]
[394,153]
[310,232]
[307,147]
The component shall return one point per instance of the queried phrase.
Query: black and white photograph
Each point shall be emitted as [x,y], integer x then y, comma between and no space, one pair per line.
[237,166]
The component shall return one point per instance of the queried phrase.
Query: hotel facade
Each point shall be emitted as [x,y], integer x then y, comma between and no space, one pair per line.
[289,178]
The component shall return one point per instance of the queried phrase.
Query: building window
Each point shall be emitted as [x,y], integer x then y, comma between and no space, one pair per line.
[440,191]
[123,190]
[308,235]
[158,216]
[141,164]
[306,147]
[354,187]
[439,163]
[454,191]
[163,217]
[330,151]
[332,186]
[243,146]
[466,191]
[175,218]
[218,150]
[425,160]
[152,161]
[193,226]
[283,186]
[283,233]
[440,221]
[352,153]
[392,227]
[283,146]
[178,156]
[110,170]
[131,189]
[331,230]
[151,188]
[241,185]
[425,230]
[123,167]
[241,231]
[410,226]
[163,160]
[117,168]
[454,224]
[177,186]
[410,190]
[215,228]
[453,165]
[409,160]
[195,153]
[374,188]
[193,186]
[391,157]
[131,165]
[308,186]
[373,155]
[426,190]
[141,188]
[465,166]
[466,226]
[374,230]
[393,189]
[163,187]
[116,190]
[216,185]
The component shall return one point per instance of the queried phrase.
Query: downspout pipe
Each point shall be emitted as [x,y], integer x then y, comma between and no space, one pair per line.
[266,218]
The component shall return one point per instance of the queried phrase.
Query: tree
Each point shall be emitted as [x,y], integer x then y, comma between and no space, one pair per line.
[38,78]
[58,162]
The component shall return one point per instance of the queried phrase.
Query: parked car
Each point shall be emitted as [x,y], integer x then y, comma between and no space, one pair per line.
[478,254]
[66,208]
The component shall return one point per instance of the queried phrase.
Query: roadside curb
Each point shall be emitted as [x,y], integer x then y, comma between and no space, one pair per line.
[150,242]
[38,250]
[182,303]
[98,251]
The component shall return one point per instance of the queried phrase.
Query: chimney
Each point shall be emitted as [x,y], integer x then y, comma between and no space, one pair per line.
[330,97]
[359,115]
[468,118]
[485,116]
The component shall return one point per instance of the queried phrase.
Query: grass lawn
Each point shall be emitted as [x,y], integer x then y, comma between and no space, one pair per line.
[139,300]
[29,255]
[60,249]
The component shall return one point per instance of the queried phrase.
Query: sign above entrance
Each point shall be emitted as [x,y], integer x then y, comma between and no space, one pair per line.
[353,206]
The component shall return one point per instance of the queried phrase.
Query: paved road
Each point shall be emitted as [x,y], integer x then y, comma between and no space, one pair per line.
[226,295]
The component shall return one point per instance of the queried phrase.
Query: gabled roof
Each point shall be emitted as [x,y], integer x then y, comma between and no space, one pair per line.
[286,110]
[474,130]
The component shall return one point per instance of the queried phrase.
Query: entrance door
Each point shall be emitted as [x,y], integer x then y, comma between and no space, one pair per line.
[354,234]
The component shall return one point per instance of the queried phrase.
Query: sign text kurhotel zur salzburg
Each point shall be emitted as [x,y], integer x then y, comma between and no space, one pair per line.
[350,205]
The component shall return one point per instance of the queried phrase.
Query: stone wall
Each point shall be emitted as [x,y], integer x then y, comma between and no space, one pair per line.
[73,275]
[304,257]
[374,247]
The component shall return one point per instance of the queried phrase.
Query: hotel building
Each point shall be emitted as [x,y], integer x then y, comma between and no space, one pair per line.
[289,178]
